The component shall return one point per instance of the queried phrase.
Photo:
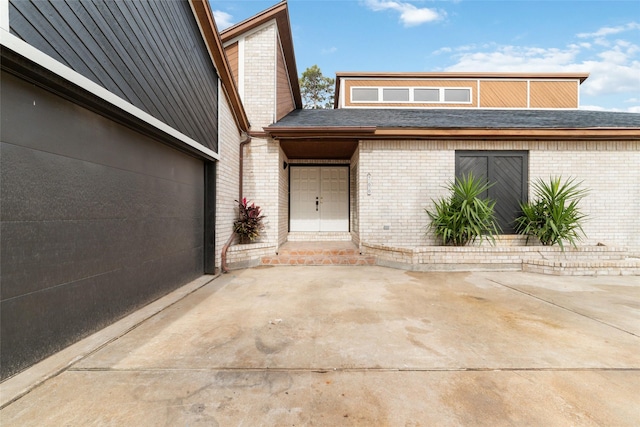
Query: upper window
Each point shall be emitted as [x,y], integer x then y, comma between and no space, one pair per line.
[426,95]
[457,95]
[411,95]
[395,95]
[364,94]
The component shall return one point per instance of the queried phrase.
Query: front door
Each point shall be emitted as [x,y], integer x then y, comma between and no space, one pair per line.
[319,198]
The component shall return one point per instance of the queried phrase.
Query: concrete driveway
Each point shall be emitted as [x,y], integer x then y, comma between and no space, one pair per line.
[369,346]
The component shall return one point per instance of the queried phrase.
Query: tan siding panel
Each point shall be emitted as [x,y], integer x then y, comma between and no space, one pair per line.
[503,94]
[232,56]
[554,94]
[284,97]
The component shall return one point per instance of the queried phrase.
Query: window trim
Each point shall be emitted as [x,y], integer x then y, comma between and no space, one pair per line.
[412,100]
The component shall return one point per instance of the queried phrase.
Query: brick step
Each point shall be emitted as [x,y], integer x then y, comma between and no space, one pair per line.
[319,253]
[318,260]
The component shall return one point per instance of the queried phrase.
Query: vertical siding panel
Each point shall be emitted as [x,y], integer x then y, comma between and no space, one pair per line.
[284,98]
[232,56]
[554,94]
[503,94]
[197,67]
[155,58]
[149,53]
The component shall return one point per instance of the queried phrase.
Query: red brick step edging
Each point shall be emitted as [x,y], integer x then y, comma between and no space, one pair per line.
[318,253]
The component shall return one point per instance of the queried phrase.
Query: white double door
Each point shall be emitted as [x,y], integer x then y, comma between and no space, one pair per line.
[319,198]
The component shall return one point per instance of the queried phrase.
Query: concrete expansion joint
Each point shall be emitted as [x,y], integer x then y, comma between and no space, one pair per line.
[565,308]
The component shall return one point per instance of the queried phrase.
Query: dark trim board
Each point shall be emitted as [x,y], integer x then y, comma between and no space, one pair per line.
[210,218]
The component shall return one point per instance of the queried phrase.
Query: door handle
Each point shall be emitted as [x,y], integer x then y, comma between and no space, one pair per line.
[317,202]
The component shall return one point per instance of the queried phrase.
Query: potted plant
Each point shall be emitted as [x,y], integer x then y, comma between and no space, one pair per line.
[249,223]
[464,216]
[554,215]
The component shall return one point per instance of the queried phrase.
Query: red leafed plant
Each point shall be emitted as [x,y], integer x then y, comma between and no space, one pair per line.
[249,222]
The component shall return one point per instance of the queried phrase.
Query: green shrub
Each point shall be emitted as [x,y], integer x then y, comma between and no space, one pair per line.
[554,216]
[463,216]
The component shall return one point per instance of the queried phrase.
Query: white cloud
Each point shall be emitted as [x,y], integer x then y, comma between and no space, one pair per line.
[330,50]
[607,31]
[223,19]
[410,15]
[613,65]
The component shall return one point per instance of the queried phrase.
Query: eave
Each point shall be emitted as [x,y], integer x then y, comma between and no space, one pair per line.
[508,133]
[368,132]
[320,132]
[206,22]
[279,13]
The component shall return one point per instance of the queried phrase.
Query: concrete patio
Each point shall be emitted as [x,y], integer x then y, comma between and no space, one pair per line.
[365,346]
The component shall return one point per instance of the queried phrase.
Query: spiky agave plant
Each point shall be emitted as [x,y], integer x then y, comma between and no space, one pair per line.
[464,216]
[553,216]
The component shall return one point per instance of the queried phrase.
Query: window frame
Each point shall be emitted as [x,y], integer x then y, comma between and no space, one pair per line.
[441,95]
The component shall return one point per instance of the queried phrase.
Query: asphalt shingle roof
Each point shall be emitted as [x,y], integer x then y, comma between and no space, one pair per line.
[459,118]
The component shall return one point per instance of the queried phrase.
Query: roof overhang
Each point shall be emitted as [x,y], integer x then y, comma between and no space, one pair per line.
[511,133]
[279,13]
[461,75]
[341,142]
[319,142]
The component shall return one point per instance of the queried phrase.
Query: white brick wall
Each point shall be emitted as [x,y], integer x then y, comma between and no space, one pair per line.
[227,171]
[613,181]
[261,182]
[407,175]
[260,76]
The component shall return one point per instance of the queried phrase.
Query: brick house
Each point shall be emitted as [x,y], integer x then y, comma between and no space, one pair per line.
[366,170]
[118,188]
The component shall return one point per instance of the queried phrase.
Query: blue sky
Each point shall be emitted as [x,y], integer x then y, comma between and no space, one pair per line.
[598,37]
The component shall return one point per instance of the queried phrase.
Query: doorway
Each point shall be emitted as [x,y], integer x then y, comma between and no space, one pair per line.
[319,198]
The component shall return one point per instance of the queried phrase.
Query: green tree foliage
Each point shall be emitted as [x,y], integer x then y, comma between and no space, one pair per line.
[316,89]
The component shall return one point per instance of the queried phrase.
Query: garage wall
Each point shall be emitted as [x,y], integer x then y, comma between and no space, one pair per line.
[96,220]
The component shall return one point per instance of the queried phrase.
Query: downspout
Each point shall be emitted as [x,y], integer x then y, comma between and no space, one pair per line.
[225,248]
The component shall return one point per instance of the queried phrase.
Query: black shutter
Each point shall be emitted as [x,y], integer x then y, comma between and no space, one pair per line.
[508,171]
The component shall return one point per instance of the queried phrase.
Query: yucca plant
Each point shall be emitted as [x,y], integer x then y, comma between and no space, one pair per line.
[553,217]
[464,216]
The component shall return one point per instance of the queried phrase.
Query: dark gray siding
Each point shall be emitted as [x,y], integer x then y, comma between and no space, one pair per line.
[96,220]
[149,53]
